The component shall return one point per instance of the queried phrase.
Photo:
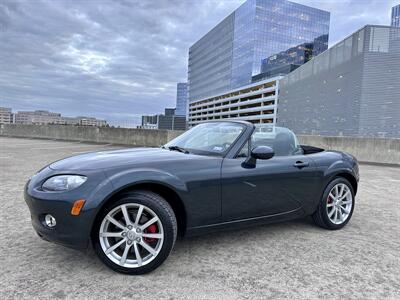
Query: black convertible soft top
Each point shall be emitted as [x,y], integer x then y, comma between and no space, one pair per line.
[311,149]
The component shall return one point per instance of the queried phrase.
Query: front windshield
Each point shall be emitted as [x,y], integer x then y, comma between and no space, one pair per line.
[213,138]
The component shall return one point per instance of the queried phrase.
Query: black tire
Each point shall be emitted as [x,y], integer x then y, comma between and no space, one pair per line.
[166,216]
[321,217]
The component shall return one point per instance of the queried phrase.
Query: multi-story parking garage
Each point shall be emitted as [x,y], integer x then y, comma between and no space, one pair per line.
[256,103]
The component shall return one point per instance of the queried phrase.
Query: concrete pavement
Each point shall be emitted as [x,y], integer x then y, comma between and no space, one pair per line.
[295,260]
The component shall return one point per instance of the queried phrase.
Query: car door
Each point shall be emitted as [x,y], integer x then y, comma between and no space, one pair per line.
[281,184]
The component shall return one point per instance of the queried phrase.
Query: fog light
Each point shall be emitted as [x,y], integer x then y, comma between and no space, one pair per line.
[50,221]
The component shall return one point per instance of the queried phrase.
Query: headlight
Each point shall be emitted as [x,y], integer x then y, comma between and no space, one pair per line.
[63,183]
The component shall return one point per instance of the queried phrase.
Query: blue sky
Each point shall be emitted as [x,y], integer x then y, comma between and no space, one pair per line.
[120,59]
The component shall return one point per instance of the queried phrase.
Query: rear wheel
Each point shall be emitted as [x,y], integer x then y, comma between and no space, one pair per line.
[336,206]
[136,233]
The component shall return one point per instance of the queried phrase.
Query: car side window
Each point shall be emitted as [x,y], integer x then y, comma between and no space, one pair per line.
[258,139]
[281,140]
[280,143]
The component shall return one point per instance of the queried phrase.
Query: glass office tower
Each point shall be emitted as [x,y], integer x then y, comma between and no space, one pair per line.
[396,16]
[232,53]
[181,99]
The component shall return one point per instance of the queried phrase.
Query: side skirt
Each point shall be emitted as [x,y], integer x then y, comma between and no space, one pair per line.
[243,223]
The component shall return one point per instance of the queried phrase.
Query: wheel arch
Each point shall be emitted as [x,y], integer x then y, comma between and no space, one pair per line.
[350,177]
[161,189]
[342,168]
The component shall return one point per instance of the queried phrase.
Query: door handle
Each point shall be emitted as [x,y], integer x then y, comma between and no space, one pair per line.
[301,164]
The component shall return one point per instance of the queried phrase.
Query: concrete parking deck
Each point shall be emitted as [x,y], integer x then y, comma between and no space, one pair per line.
[295,260]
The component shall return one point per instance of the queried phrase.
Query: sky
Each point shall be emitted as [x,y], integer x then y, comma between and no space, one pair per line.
[120,59]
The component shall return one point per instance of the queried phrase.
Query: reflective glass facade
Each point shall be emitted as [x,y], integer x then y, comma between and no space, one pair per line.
[232,53]
[264,28]
[181,99]
[210,61]
[293,57]
[396,16]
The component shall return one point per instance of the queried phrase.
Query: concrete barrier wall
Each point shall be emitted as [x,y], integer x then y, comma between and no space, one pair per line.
[373,150]
[122,136]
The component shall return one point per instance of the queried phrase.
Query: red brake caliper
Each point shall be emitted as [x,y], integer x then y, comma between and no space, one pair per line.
[151,229]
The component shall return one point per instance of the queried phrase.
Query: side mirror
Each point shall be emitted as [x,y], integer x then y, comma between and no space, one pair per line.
[262,152]
[259,152]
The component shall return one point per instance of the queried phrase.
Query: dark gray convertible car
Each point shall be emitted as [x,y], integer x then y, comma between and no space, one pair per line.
[131,204]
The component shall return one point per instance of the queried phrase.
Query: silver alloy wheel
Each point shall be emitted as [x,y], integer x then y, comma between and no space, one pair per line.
[339,203]
[125,238]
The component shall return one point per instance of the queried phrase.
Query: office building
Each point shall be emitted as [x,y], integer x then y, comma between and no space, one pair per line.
[231,54]
[68,121]
[169,112]
[352,89]
[181,99]
[149,122]
[396,16]
[255,103]
[167,121]
[37,117]
[6,116]
[43,117]
[90,121]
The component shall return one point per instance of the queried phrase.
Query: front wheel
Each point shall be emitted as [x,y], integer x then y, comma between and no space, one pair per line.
[336,206]
[136,233]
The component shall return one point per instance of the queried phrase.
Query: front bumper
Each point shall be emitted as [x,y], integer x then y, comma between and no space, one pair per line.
[71,231]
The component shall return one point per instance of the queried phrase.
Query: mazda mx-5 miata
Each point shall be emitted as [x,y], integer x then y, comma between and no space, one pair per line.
[130,204]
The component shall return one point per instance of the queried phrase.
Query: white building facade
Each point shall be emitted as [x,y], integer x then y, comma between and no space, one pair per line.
[6,116]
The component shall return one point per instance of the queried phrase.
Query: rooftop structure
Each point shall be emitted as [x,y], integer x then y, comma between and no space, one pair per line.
[352,89]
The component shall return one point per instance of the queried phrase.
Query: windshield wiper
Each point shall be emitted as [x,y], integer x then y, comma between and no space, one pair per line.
[177,148]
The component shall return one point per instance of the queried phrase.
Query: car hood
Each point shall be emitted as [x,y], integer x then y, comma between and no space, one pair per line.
[116,158]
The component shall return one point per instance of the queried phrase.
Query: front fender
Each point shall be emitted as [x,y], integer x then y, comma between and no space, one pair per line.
[126,178]
[122,179]
[117,181]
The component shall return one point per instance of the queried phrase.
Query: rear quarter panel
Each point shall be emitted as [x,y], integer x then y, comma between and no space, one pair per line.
[329,164]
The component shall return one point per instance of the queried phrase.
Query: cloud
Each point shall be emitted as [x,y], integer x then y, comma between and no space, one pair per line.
[120,59]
